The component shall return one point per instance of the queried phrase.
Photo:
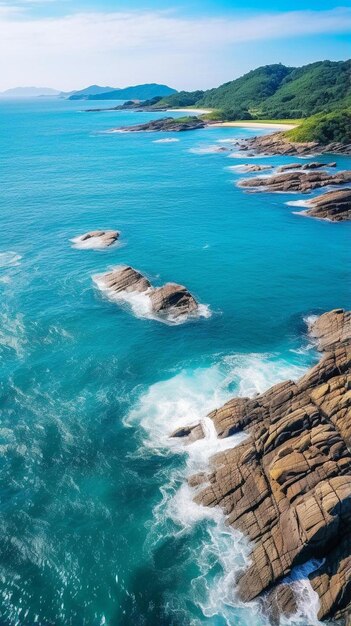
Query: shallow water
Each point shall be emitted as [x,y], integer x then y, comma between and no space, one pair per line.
[97,524]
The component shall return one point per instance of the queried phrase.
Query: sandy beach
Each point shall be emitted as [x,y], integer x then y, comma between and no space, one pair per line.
[249,124]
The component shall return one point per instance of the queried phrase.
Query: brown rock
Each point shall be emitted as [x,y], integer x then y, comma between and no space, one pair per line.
[333,205]
[306,166]
[171,300]
[288,485]
[104,238]
[174,300]
[278,143]
[189,433]
[332,329]
[126,279]
[296,181]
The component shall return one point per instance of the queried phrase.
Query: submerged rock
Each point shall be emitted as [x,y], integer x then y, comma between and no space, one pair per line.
[288,485]
[171,301]
[297,181]
[254,167]
[97,238]
[333,205]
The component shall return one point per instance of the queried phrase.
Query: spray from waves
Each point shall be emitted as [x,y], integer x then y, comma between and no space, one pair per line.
[140,304]
[208,150]
[167,140]
[217,552]
[244,155]
[301,203]
[307,599]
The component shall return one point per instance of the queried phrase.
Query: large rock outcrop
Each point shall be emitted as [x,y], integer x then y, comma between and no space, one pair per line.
[166,124]
[174,299]
[171,301]
[333,205]
[288,485]
[297,181]
[278,143]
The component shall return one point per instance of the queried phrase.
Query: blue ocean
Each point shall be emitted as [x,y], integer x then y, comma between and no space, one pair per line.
[98,525]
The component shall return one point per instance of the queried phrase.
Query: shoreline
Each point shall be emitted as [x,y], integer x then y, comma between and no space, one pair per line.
[249,124]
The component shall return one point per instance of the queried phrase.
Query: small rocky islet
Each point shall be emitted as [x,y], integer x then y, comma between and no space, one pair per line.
[97,238]
[165,124]
[287,487]
[172,301]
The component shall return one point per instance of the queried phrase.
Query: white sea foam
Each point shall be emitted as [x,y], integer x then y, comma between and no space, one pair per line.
[301,203]
[167,140]
[244,170]
[207,150]
[230,141]
[186,399]
[245,155]
[307,599]
[9,259]
[141,307]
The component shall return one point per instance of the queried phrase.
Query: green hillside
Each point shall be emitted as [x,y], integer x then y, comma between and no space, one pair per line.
[324,128]
[247,91]
[310,89]
[277,91]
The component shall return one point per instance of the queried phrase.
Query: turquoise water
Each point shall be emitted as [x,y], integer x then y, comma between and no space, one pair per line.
[97,523]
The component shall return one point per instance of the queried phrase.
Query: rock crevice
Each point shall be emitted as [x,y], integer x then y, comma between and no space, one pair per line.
[288,485]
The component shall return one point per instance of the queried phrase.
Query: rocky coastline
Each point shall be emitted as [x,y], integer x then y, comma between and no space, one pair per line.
[296,181]
[287,487]
[165,124]
[279,144]
[334,206]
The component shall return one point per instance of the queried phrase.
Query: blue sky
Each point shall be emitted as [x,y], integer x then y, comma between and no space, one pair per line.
[68,44]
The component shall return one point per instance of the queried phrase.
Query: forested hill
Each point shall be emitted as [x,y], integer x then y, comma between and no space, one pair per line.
[276,91]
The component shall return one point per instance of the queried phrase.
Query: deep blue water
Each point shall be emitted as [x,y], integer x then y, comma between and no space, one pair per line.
[97,524]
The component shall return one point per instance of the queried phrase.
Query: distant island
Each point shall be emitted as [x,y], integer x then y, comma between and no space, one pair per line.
[29,92]
[137,92]
[94,92]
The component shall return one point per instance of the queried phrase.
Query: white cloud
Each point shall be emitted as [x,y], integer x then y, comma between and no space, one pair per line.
[121,48]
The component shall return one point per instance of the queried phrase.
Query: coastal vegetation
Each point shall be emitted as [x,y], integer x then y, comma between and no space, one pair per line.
[324,128]
[275,91]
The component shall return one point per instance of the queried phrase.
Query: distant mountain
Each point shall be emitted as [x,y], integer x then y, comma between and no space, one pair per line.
[92,90]
[137,92]
[28,92]
[276,91]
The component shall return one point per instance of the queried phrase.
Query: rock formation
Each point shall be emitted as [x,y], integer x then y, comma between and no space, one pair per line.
[126,279]
[278,143]
[297,181]
[100,238]
[174,299]
[288,485]
[305,166]
[171,300]
[333,205]
[166,124]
